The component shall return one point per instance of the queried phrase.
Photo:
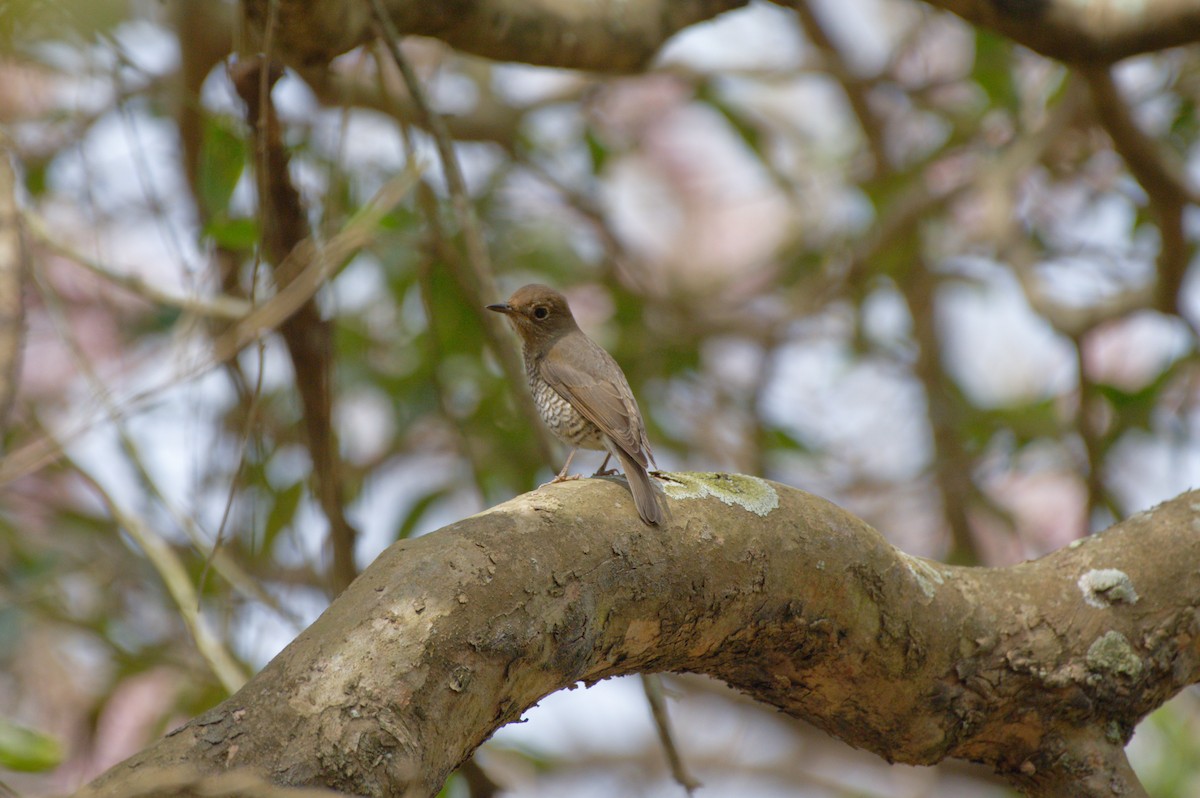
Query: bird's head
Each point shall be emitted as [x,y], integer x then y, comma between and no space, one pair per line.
[537,313]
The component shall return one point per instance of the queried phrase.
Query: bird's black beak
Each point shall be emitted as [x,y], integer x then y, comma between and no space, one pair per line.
[501,307]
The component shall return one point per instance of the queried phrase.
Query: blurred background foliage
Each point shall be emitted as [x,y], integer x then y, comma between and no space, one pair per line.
[862,249]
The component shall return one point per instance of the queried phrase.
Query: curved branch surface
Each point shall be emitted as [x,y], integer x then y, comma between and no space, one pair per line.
[1040,669]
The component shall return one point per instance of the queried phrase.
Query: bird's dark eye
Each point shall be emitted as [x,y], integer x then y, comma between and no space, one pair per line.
[541,312]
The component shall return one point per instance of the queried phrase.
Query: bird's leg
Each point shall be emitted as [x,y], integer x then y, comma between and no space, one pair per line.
[562,475]
[601,471]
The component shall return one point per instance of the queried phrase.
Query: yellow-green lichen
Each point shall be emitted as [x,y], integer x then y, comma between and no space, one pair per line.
[750,493]
[1113,654]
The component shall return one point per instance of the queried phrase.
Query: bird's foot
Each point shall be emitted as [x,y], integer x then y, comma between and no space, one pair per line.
[602,471]
[559,478]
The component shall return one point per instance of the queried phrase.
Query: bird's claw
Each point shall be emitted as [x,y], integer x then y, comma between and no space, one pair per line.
[559,478]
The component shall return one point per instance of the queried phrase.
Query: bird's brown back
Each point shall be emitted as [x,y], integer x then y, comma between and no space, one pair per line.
[585,375]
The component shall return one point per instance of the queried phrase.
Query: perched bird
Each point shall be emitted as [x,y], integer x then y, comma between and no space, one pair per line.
[580,391]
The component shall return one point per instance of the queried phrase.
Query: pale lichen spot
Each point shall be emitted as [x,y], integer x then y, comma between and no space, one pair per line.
[927,576]
[1112,654]
[1104,587]
[750,493]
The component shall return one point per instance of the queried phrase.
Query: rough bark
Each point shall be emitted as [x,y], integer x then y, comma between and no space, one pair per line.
[623,37]
[1040,670]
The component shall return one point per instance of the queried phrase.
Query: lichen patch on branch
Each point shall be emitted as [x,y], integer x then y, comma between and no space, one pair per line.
[750,493]
[1103,587]
[926,574]
[1112,654]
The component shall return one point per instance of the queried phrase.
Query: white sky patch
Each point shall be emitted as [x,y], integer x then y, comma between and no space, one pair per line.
[757,36]
[997,349]
[817,394]
[618,720]
[1145,470]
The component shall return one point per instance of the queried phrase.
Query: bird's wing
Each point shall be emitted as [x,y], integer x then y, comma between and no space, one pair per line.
[607,403]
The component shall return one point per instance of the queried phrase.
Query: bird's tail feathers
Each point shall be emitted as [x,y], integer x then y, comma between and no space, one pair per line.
[645,496]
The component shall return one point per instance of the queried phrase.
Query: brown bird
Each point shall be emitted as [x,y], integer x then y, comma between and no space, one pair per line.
[580,391]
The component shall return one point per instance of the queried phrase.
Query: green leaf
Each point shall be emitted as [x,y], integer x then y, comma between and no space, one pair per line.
[417,512]
[1185,127]
[233,234]
[994,70]
[779,438]
[27,750]
[35,176]
[222,160]
[1032,421]
[745,130]
[160,320]
[283,510]
[597,150]
[455,787]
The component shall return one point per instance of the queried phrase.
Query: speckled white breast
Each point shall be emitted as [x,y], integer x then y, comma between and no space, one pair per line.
[567,423]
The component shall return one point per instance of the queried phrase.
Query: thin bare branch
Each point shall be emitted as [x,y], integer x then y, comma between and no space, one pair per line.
[479,277]
[308,336]
[1163,181]
[653,687]
[856,89]
[13,266]
[218,306]
[178,583]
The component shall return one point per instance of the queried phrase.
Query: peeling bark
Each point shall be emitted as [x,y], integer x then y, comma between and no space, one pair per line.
[1040,670]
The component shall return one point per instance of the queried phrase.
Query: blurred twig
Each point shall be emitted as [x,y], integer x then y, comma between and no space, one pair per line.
[313,266]
[1163,182]
[225,565]
[308,336]
[653,686]
[227,670]
[478,276]
[220,306]
[13,265]
[425,284]
[855,88]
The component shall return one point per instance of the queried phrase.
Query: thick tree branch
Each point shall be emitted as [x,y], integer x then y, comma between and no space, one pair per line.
[1097,31]
[447,637]
[604,37]
[623,37]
